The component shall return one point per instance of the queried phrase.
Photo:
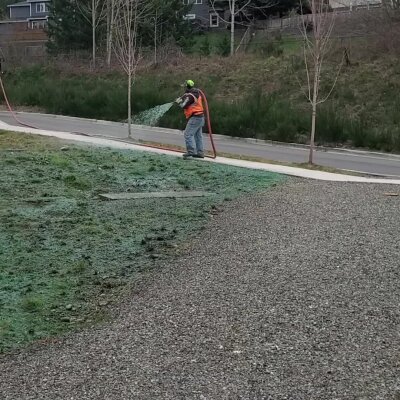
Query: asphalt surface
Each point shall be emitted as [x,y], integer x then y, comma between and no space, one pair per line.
[293,294]
[370,163]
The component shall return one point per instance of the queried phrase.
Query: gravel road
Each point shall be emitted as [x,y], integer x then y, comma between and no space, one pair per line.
[292,294]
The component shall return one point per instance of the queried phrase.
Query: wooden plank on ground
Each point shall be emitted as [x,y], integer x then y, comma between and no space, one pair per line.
[155,195]
[391,194]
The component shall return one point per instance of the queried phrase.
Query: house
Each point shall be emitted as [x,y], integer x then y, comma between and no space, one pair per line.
[338,5]
[351,5]
[203,14]
[22,36]
[36,12]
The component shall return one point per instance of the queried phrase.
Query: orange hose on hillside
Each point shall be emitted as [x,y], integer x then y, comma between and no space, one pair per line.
[10,108]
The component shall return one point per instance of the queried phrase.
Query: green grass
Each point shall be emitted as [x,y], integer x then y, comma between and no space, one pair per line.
[64,252]
[214,39]
[291,45]
[272,46]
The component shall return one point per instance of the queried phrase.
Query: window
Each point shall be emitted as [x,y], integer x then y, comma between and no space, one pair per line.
[198,1]
[42,7]
[214,20]
[42,24]
[185,2]
[190,16]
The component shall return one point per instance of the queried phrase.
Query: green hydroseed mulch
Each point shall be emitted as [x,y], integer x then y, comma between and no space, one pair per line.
[65,253]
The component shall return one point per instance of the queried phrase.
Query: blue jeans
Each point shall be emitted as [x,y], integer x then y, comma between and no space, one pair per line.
[194,128]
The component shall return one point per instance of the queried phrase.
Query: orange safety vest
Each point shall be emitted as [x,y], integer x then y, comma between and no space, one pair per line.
[195,108]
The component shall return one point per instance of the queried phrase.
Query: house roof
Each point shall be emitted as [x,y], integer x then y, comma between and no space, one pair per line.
[13,22]
[22,4]
[27,3]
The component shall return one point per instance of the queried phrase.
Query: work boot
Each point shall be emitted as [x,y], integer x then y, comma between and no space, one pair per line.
[200,155]
[187,156]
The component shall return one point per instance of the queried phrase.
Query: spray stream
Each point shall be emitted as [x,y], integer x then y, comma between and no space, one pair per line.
[151,116]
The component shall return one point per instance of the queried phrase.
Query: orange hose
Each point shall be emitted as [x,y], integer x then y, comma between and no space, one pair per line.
[209,125]
[10,108]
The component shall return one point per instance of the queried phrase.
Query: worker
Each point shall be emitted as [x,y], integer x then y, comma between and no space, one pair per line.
[192,104]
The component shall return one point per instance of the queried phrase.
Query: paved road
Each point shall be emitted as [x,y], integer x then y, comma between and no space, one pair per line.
[371,163]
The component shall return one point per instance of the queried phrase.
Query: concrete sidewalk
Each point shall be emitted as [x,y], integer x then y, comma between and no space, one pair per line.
[373,164]
[281,169]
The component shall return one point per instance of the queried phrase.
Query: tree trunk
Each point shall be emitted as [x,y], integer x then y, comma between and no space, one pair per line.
[94,34]
[108,36]
[314,110]
[155,39]
[312,138]
[130,67]
[111,33]
[233,27]
[129,105]
[108,29]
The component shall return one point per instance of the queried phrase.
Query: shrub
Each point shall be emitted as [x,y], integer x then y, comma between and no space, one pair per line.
[186,42]
[205,47]
[270,48]
[224,47]
[330,126]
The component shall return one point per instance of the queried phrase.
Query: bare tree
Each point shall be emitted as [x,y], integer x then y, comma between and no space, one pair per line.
[127,44]
[316,47]
[157,20]
[164,16]
[112,12]
[94,12]
[235,7]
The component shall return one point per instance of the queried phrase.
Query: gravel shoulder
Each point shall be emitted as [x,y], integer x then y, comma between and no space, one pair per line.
[291,294]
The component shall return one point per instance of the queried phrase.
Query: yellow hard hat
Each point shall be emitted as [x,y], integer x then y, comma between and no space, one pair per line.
[189,83]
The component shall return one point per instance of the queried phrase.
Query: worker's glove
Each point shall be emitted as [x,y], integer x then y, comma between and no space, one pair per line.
[178,100]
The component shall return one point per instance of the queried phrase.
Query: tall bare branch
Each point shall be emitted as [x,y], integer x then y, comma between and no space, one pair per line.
[94,12]
[316,45]
[112,14]
[127,42]
[234,10]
